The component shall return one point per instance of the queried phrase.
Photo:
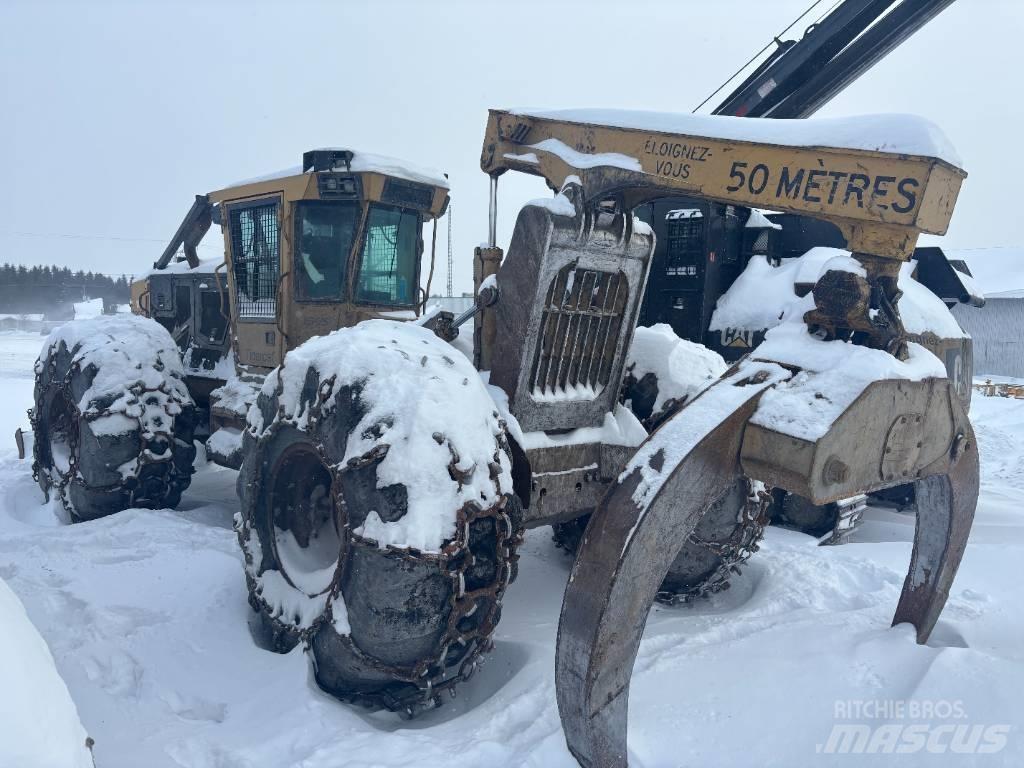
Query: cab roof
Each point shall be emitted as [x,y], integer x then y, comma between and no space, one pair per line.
[357,162]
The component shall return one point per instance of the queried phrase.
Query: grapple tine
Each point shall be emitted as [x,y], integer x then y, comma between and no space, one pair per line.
[630,542]
[945,511]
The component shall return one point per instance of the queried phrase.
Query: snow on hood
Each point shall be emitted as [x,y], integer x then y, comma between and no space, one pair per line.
[763,295]
[413,386]
[900,134]
[365,162]
[39,725]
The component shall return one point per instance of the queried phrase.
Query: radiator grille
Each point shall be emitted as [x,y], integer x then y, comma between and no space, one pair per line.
[579,333]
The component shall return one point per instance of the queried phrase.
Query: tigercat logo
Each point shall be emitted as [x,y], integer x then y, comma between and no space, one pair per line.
[738,338]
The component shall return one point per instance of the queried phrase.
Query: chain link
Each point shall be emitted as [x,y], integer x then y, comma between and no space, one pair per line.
[734,551]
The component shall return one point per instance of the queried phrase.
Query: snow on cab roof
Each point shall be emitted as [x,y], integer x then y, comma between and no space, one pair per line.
[365,162]
[182,267]
[901,134]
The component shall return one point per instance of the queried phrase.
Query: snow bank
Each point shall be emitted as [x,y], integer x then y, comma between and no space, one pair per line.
[365,162]
[145,613]
[139,376]
[39,725]
[683,369]
[901,134]
[413,387]
[763,295]
[88,309]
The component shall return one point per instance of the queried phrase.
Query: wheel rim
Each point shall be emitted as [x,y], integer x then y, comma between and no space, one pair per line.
[302,509]
[61,425]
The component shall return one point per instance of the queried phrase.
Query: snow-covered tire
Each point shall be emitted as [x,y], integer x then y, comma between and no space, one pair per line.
[112,418]
[377,517]
[727,535]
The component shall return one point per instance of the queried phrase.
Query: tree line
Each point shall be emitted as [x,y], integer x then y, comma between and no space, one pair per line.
[53,290]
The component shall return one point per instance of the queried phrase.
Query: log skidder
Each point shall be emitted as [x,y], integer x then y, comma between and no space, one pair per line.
[377,516]
[112,420]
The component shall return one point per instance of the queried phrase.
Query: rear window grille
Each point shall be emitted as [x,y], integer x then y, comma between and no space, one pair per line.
[255,258]
[685,241]
[579,333]
[761,243]
[406,193]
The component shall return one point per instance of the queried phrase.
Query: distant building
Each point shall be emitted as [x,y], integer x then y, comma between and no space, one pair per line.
[29,323]
[997,330]
[998,326]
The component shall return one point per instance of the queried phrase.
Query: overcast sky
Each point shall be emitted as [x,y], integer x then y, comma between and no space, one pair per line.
[115,114]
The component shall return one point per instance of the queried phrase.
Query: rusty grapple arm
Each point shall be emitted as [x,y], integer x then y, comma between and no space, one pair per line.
[895,431]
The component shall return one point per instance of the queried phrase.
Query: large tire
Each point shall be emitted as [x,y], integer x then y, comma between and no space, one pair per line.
[836,520]
[387,625]
[726,536]
[112,419]
[664,373]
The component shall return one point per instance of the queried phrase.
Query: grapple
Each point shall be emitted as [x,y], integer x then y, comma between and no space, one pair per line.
[895,431]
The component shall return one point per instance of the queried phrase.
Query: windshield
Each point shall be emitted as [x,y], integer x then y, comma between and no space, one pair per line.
[323,240]
[389,266]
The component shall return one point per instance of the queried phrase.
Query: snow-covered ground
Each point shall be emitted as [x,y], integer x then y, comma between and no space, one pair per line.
[146,616]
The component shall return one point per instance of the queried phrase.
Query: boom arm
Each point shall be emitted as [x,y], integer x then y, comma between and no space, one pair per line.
[880,200]
[191,230]
[802,76]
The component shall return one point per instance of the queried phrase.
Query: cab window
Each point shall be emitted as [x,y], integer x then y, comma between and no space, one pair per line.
[255,257]
[323,241]
[389,265]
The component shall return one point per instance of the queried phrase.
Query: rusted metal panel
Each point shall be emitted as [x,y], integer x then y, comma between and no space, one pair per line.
[895,432]
[570,292]
[630,543]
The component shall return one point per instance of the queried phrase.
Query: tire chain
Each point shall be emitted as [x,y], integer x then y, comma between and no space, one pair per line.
[63,480]
[735,551]
[428,675]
